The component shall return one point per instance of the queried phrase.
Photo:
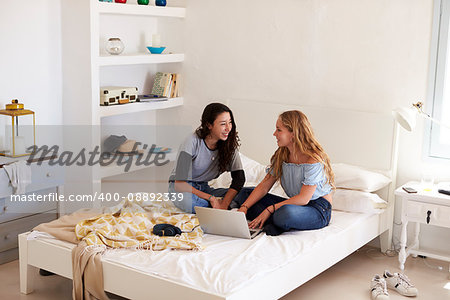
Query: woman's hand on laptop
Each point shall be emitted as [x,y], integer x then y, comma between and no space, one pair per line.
[259,221]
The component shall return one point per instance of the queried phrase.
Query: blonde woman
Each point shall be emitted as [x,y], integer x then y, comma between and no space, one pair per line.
[304,170]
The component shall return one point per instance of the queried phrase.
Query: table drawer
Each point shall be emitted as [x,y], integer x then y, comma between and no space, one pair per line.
[10,230]
[12,208]
[42,176]
[9,255]
[428,213]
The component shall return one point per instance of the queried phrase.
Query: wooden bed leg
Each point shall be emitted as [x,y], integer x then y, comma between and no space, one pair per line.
[386,240]
[27,272]
[386,237]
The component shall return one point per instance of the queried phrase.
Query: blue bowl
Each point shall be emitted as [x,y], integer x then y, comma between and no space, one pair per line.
[156,50]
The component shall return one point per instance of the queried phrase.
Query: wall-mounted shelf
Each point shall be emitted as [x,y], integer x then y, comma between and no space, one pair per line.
[140,10]
[113,170]
[121,60]
[114,110]
[87,67]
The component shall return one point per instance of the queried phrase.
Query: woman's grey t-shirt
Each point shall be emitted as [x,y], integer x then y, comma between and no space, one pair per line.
[205,162]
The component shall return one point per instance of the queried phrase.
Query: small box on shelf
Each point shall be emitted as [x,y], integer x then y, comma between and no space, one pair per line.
[110,95]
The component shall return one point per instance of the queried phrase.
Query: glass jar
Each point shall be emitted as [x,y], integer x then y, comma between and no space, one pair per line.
[427,181]
[114,46]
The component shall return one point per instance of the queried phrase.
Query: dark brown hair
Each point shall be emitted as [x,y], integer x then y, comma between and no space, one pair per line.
[226,148]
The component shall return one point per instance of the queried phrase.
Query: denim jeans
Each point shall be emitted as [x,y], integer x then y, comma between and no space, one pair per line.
[189,200]
[314,215]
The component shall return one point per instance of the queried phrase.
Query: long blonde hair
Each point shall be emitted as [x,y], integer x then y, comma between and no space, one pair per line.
[304,140]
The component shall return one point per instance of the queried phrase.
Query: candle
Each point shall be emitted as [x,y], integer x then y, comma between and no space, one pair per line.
[156,40]
[19,145]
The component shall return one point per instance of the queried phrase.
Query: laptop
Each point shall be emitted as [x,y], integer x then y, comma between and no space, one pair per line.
[225,222]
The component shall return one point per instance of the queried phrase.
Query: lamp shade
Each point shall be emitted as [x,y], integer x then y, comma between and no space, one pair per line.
[406,117]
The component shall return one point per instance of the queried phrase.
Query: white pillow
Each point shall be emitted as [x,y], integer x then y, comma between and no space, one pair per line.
[357,178]
[357,201]
[254,171]
[223,181]
[254,174]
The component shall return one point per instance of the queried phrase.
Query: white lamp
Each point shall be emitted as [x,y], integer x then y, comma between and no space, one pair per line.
[406,117]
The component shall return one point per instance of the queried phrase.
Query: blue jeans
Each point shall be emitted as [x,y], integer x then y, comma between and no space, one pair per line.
[315,215]
[189,200]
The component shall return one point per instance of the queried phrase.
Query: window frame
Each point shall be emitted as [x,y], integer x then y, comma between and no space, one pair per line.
[433,150]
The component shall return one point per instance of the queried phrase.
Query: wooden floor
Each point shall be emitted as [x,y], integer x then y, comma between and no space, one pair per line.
[349,279]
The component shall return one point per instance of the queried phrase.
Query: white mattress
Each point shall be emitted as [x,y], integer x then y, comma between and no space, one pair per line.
[227,263]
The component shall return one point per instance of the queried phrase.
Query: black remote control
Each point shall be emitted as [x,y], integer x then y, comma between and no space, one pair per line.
[447,192]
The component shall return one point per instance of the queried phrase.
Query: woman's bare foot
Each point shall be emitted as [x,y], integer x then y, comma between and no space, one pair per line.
[216,202]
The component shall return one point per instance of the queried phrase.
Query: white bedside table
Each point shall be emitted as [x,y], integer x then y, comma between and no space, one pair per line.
[426,207]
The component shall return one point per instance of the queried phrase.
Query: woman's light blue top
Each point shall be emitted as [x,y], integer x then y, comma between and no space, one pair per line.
[294,176]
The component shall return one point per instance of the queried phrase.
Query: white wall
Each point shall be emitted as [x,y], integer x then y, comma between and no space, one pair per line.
[365,55]
[30,57]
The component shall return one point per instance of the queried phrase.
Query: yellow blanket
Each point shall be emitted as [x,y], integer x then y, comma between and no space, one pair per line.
[130,224]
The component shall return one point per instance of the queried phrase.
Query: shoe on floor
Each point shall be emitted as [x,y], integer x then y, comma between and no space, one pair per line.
[378,288]
[400,282]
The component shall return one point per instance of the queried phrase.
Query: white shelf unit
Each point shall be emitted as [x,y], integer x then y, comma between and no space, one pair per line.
[114,169]
[139,59]
[140,10]
[114,110]
[85,26]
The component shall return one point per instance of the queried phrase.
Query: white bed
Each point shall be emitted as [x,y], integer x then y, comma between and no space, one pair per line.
[347,136]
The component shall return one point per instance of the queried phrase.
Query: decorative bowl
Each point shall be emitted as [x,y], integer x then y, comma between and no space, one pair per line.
[156,50]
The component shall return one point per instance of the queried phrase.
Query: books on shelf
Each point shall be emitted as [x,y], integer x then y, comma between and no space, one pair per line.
[175,80]
[152,98]
[166,85]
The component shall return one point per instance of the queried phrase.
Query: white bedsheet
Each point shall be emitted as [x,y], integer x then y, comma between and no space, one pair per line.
[227,263]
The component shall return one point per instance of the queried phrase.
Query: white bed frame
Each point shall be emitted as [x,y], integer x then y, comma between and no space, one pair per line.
[347,136]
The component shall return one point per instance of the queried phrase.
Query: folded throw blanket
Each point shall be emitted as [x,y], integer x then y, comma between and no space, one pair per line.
[130,226]
[126,225]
